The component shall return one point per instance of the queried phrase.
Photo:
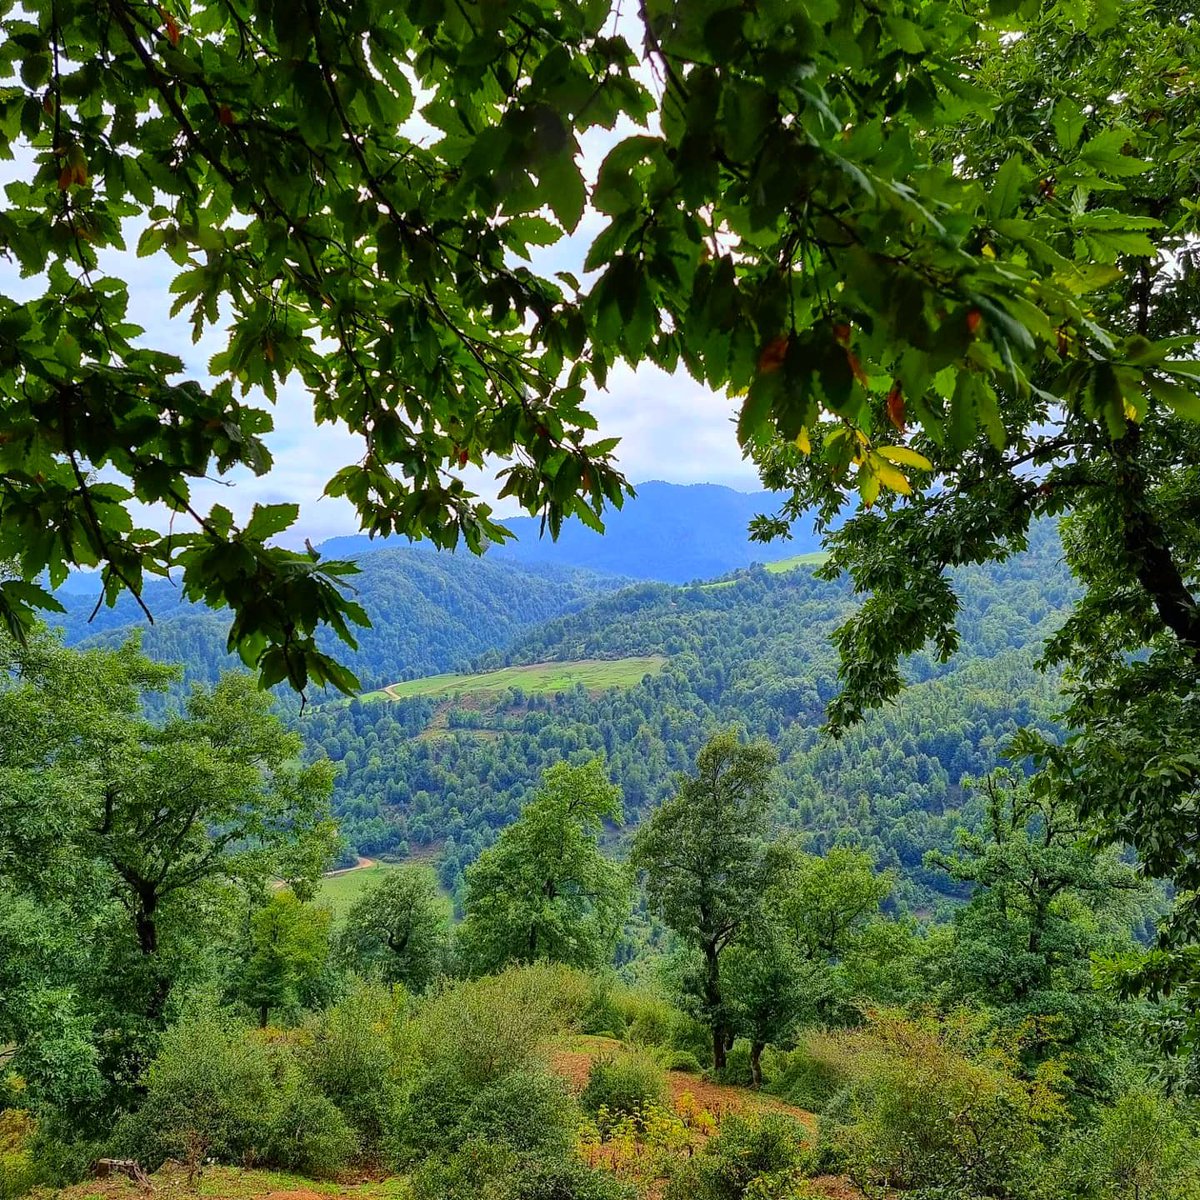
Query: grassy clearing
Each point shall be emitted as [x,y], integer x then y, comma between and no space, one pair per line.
[340,890]
[813,559]
[595,674]
[235,1183]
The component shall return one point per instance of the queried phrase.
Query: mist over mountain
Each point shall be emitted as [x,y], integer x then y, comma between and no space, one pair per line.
[670,532]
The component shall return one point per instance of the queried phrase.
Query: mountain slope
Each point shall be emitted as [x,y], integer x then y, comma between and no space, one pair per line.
[429,613]
[446,772]
[669,532]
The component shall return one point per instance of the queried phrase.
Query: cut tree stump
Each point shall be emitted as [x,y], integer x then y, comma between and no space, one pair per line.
[106,1167]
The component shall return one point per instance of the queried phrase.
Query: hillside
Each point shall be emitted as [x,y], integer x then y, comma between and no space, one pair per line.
[429,613]
[754,651]
[670,532]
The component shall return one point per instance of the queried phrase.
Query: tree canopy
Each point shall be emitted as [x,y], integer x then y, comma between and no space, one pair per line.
[350,193]
[545,890]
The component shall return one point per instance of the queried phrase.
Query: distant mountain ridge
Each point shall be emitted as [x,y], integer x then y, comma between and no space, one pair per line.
[669,532]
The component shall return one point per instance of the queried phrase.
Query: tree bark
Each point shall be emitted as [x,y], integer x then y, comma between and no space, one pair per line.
[712,999]
[756,1049]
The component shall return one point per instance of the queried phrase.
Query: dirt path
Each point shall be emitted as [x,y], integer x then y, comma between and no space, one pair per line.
[574,1061]
[361,865]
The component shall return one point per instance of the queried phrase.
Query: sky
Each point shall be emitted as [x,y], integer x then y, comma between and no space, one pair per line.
[671,428]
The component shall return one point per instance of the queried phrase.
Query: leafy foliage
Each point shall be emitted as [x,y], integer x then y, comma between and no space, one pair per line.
[705,862]
[544,891]
[397,929]
[794,226]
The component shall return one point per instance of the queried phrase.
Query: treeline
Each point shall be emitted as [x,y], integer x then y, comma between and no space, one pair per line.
[162,997]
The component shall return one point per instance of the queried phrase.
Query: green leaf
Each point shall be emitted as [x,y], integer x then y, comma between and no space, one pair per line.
[1182,400]
[563,190]
[1008,188]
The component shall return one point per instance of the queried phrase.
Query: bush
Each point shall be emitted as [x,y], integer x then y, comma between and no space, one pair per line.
[478,1171]
[811,1076]
[18,1170]
[683,1060]
[309,1134]
[358,1053]
[603,1015]
[623,1085]
[219,1090]
[1139,1147]
[737,1065]
[759,1158]
[934,1105]
[483,1028]
[210,1091]
[526,1111]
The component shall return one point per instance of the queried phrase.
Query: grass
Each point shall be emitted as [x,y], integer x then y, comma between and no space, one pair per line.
[595,674]
[780,567]
[813,559]
[341,890]
[236,1183]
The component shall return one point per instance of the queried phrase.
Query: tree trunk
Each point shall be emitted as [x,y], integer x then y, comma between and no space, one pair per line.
[264,1013]
[143,918]
[712,1000]
[756,1049]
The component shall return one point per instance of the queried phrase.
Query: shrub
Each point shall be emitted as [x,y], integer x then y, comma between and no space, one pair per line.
[811,1076]
[308,1133]
[219,1090]
[737,1065]
[424,1121]
[683,1060]
[934,1105]
[478,1171]
[757,1158]
[18,1170]
[528,1111]
[358,1053]
[210,1091]
[482,1028]
[603,1014]
[623,1084]
[1139,1147]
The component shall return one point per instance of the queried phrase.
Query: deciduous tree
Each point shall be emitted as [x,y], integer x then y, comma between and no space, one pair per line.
[347,191]
[706,862]
[545,890]
[397,928]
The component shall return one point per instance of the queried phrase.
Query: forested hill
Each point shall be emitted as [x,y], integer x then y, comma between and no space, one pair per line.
[429,613]
[436,772]
[670,532]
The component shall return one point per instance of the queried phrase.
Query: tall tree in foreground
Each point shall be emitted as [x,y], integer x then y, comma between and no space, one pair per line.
[705,860]
[397,929]
[545,890]
[137,834]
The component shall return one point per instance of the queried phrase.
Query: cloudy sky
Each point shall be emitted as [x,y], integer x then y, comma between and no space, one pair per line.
[670,427]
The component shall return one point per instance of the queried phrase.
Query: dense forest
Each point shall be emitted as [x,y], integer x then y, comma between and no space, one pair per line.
[429,613]
[446,774]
